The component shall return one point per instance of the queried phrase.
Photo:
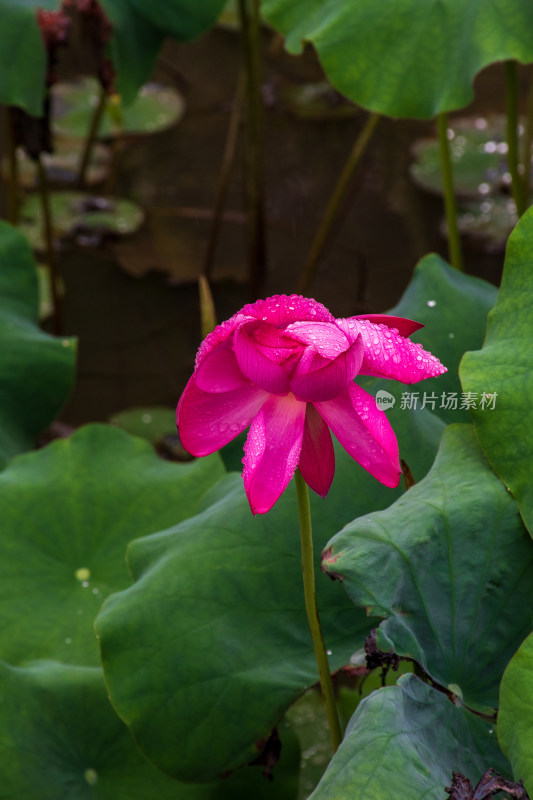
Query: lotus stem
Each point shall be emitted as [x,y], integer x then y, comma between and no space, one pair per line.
[249,17]
[13,197]
[49,243]
[511,95]
[91,138]
[324,230]
[225,173]
[450,205]
[308,573]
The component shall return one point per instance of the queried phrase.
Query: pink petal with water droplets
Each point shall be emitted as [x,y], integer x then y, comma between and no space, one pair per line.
[404,326]
[283,309]
[324,337]
[389,355]
[207,421]
[219,370]
[270,371]
[317,459]
[272,451]
[220,334]
[365,433]
[318,379]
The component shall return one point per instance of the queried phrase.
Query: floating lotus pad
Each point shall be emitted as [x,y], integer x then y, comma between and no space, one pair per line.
[491,220]
[155,108]
[82,217]
[62,165]
[479,158]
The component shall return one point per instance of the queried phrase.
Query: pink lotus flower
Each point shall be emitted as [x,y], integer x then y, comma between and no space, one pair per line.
[285,366]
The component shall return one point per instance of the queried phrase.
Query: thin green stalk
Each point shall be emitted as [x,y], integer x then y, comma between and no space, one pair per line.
[208,317]
[511,98]
[91,137]
[13,189]
[332,209]
[308,573]
[450,205]
[528,143]
[225,174]
[249,17]
[49,242]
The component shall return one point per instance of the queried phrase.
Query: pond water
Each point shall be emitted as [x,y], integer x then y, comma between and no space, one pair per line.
[134,304]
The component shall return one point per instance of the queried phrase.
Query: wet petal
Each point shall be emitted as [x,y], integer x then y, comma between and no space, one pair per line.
[365,433]
[282,309]
[324,380]
[317,459]
[404,326]
[390,355]
[220,334]
[207,421]
[272,451]
[219,370]
[324,337]
[256,365]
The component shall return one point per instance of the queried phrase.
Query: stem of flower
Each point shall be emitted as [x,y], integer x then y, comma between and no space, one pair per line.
[308,572]
[511,94]
[339,192]
[454,240]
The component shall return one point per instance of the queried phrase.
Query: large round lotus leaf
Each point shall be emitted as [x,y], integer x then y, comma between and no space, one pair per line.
[83,217]
[403,59]
[60,738]
[450,558]
[515,717]
[154,109]
[405,741]
[138,30]
[503,369]
[453,308]
[213,634]
[478,150]
[68,512]
[36,370]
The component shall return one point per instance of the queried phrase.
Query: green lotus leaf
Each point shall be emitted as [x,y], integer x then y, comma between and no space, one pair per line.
[405,741]
[449,558]
[515,717]
[59,737]
[501,374]
[394,58]
[68,512]
[36,370]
